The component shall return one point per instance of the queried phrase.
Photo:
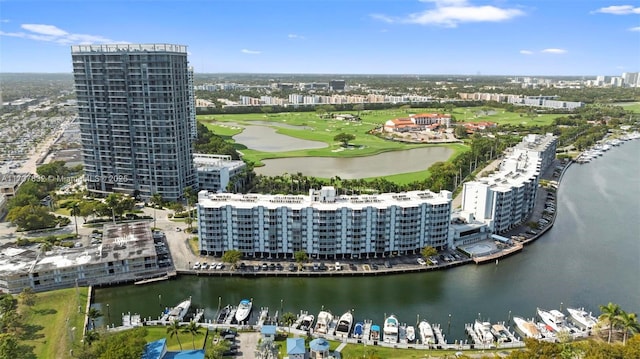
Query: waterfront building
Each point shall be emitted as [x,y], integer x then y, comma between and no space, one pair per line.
[127,253]
[323,224]
[136,111]
[215,172]
[296,348]
[507,197]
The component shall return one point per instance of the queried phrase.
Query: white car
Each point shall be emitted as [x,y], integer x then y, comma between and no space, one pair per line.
[422,262]
[196,266]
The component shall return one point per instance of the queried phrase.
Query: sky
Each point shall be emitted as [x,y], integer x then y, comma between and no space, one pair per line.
[463,37]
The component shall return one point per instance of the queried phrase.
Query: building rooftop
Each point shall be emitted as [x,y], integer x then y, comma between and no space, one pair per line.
[16,260]
[119,242]
[295,346]
[129,48]
[323,199]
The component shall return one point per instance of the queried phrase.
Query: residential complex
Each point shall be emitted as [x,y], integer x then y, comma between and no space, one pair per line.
[127,253]
[215,172]
[136,111]
[418,122]
[531,101]
[507,197]
[323,224]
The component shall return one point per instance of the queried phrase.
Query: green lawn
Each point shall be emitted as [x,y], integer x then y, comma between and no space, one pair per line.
[629,106]
[186,339]
[56,321]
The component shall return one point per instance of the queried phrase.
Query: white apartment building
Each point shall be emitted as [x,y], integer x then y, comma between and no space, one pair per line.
[215,172]
[507,197]
[323,224]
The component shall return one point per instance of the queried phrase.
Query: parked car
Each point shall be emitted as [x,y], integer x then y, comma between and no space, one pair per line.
[422,262]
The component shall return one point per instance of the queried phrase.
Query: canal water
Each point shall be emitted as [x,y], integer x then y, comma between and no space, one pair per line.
[590,257]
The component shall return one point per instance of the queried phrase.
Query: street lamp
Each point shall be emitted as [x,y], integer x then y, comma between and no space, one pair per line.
[160,300]
[108,315]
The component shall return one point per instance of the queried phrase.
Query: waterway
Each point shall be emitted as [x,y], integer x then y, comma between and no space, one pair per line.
[383,164]
[590,257]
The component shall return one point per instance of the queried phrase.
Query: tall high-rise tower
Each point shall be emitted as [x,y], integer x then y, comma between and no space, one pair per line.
[136,115]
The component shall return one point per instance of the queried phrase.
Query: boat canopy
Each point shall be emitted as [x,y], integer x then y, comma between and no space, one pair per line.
[358,328]
[245,301]
[375,327]
[501,239]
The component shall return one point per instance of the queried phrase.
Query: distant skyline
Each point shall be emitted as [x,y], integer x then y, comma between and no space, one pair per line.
[465,37]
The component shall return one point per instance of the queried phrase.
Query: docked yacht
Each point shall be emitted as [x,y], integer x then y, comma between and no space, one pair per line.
[324,320]
[390,330]
[582,318]
[527,328]
[483,331]
[243,311]
[222,315]
[179,311]
[411,334]
[344,324]
[307,322]
[554,319]
[501,333]
[426,333]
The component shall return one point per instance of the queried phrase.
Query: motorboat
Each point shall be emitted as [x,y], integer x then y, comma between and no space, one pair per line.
[307,322]
[410,333]
[243,311]
[554,319]
[483,331]
[582,318]
[390,330]
[527,328]
[426,333]
[374,333]
[358,330]
[224,312]
[344,324]
[501,333]
[324,320]
[179,311]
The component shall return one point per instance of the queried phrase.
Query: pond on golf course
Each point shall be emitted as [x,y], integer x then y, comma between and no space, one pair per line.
[264,138]
[384,164]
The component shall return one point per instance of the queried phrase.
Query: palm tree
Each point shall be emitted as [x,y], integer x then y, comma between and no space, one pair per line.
[629,324]
[194,329]
[610,315]
[91,336]
[288,318]
[174,329]
[75,212]
[93,314]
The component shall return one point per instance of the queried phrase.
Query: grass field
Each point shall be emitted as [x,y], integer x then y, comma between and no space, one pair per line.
[629,106]
[186,339]
[53,319]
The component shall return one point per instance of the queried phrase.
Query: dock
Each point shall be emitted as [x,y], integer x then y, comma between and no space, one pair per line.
[441,342]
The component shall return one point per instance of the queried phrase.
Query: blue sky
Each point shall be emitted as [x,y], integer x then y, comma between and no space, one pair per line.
[488,37]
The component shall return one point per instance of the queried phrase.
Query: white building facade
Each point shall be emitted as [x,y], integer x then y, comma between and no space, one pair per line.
[323,225]
[506,198]
[215,172]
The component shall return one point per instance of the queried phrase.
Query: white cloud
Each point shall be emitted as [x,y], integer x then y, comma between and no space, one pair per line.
[450,13]
[554,51]
[619,10]
[526,52]
[250,52]
[51,33]
[295,36]
[637,28]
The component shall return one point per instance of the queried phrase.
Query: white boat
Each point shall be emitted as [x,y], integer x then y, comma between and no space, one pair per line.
[344,324]
[322,325]
[243,311]
[426,333]
[390,329]
[410,333]
[500,332]
[483,331]
[307,322]
[582,318]
[527,328]
[554,319]
[179,311]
